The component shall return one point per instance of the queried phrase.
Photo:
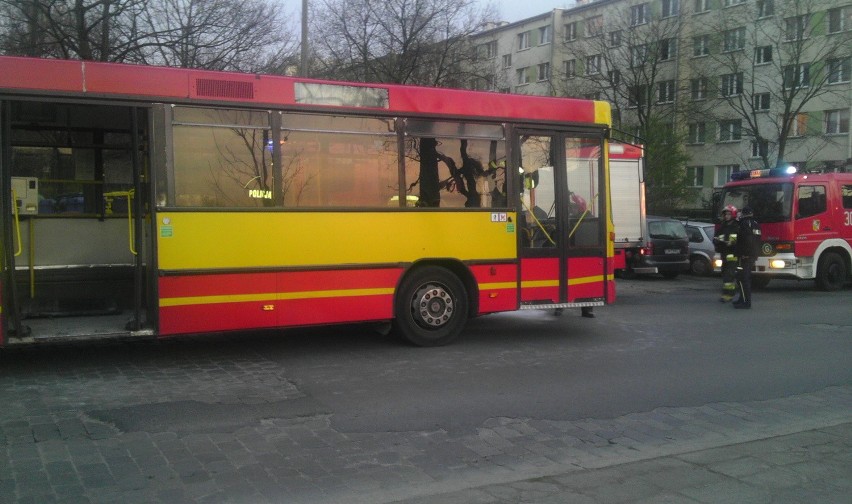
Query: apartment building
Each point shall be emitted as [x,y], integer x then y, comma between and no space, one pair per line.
[744,84]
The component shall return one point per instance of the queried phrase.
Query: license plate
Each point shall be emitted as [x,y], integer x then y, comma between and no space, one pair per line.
[672,251]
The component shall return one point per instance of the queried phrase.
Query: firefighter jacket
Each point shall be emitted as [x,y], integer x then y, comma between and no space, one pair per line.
[726,238]
[748,238]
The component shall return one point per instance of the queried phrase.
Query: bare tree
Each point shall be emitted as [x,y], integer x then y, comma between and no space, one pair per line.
[629,58]
[773,71]
[624,60]
[249,35]
[400,41]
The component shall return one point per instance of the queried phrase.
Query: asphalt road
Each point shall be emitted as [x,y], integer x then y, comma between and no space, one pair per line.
[664,344]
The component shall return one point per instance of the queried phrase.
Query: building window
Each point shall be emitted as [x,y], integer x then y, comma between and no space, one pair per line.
[523,41]
[666,92]
[592,96]
[733,40]
[730,130]
[698,88]
[798,125]
[697,133]
[671,8]
[594,26]
[523,76]
[700,6]
[731,3]
[507,60]
[488,50]
[796,27]
[593,64]
[732,84]
[759,148]
[668,49]
[839,70]
[695,176]
[762,55]
[761,101]
[569,68]
[724,172]
[638,55]
[545,35]
[614,78]
[615,38]
[797,76]
[701,45]
[639,14]
[636,96]
[765,8]
[839,19]
[544,72]
[837,121]
[570,31]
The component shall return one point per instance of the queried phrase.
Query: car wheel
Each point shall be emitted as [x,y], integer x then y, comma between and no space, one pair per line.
[431,307]
[831,272]
[699,266]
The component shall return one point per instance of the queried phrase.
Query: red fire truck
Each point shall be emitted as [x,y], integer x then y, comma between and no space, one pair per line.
[805,220]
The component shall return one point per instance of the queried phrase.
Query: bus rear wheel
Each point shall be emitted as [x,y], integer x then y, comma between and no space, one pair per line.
[831,272]
[431,307]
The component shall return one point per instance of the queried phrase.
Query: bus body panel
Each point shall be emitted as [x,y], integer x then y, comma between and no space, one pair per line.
[228,240]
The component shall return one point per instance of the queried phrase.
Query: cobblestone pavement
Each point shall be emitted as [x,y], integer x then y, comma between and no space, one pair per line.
[74,434]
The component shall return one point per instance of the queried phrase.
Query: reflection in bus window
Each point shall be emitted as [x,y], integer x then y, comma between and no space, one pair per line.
[222,158]
[583,161]
[539,194]
[456,172]
[335,161]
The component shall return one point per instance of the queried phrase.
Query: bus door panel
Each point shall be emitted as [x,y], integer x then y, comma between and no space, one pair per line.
[540,221]
[562,226]
[586,223]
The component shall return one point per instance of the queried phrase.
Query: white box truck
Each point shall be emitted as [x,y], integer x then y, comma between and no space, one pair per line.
[627,182]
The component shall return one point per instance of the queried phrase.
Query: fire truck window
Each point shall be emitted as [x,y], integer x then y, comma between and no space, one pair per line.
[847,195]
[812,201]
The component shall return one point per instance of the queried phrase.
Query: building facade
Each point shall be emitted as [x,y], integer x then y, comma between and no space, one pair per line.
[742,84]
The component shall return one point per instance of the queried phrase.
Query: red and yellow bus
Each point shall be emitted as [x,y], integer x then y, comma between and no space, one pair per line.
[155,202]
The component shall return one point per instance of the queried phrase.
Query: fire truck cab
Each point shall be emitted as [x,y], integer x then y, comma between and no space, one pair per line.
[805,221]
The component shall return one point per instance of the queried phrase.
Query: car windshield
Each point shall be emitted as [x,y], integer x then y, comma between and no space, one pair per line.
[770,202]
[667,230]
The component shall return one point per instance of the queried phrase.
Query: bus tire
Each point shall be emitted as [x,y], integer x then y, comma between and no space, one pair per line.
[831,272]
[431,307]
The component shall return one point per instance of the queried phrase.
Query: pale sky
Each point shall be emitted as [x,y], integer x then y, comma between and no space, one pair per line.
[515,10]
[510,10]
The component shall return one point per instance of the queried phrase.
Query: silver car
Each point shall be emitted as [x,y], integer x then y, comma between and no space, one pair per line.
[703,258]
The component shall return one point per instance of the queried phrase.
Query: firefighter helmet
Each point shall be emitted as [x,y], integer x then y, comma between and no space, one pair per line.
[732,209]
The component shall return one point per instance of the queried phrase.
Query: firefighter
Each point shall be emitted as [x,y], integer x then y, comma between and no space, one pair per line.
[747,249]
[725,242]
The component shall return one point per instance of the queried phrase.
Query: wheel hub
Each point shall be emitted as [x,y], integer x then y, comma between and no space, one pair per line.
[434,306]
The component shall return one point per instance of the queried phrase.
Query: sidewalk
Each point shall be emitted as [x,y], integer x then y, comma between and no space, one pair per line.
[807,467]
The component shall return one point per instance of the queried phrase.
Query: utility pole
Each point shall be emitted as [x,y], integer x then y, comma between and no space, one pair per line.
[303,64]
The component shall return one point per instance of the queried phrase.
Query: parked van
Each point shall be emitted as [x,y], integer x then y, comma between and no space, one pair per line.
[665,249]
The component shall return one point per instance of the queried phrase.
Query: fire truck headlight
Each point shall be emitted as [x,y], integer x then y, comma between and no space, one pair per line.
[717,263]
[780,264]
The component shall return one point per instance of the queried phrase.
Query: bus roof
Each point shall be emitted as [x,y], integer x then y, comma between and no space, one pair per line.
[86,78]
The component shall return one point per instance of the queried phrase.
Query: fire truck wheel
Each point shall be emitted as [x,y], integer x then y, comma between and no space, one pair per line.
[831,272]
[431,307]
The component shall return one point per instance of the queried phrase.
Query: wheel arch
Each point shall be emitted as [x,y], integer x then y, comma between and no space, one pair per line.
[837,246]
[457,268]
